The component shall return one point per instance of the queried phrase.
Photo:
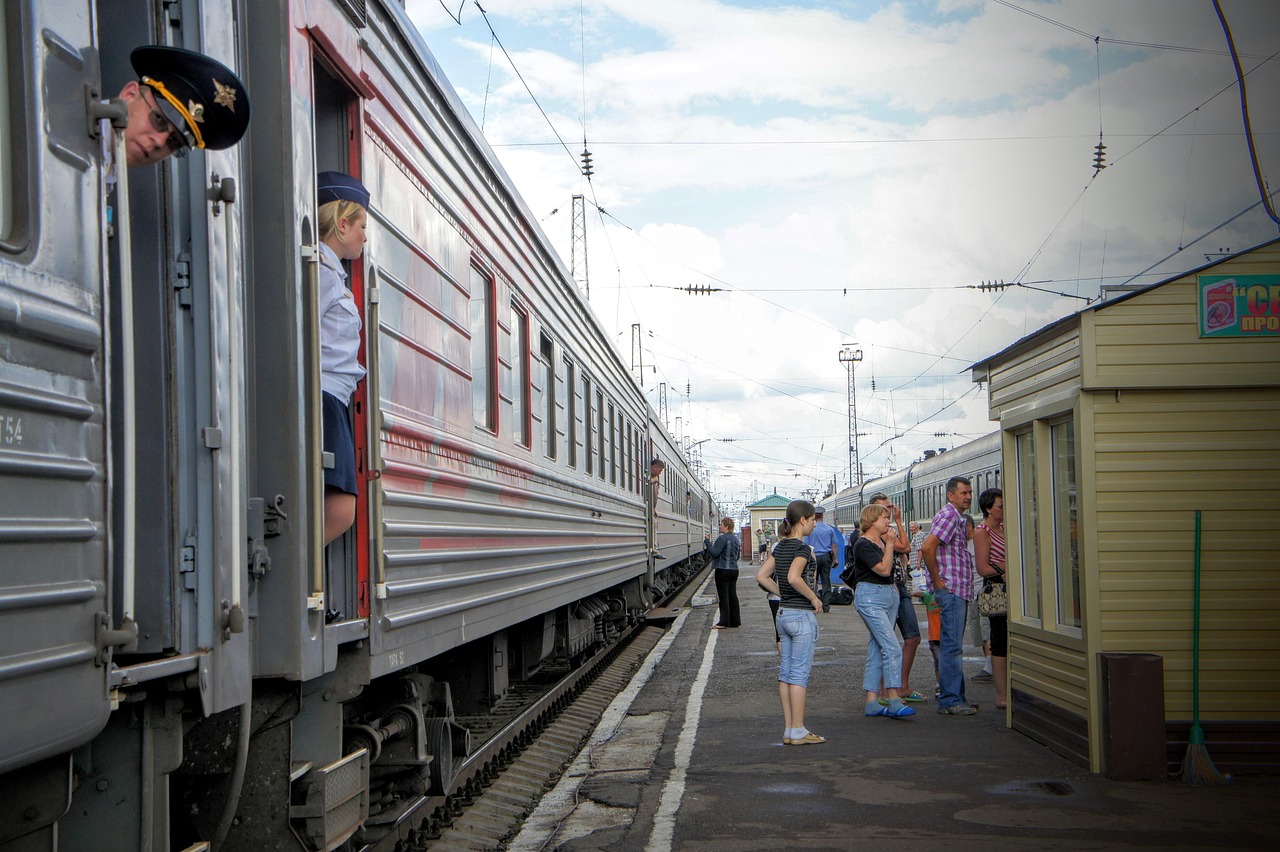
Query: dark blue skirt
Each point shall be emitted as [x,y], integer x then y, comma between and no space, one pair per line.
[339,440]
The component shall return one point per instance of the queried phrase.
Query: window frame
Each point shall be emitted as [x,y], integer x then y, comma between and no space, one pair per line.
[483,343]
[17,78]
[1064,532]
[522,377]
[547,352]
[1030,569]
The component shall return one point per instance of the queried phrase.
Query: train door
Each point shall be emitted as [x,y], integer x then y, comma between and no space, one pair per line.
[346,571]
[55,615]
[178,377]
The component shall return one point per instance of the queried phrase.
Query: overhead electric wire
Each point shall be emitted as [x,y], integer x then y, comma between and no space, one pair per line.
[1149,45]
[523,82]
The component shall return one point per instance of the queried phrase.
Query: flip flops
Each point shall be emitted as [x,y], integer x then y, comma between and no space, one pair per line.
[894,709]
[914,698]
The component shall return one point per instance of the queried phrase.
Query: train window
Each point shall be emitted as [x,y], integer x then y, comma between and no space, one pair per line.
[482,351]
[1066,536]
[571,371]
[547,348]
[1029,528]
[613,447]
[520,412]
[625,452]
[7,126]
[600,431]
[587,434]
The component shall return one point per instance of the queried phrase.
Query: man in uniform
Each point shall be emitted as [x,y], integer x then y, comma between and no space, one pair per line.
[180,100]
[824,540]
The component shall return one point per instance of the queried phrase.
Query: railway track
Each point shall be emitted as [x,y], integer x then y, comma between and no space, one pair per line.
[501,781]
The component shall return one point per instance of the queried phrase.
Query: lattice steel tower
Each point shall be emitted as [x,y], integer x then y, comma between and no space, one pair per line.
[850,356]
[578,248]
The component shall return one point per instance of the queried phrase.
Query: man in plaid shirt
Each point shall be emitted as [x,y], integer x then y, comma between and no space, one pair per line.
[946,556]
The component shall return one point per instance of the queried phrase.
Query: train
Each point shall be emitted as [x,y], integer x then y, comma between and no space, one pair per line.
[183,663]
[920,488]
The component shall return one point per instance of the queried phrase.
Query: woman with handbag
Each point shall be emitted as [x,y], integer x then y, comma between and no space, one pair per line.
[993,601]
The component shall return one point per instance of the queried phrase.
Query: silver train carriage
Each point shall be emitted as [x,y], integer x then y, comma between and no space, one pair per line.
[180,658]
[920,488]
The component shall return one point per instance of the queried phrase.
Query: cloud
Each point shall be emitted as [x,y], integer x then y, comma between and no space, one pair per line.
[849,172]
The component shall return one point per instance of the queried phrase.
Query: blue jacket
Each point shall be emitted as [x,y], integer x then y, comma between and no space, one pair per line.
[724,551]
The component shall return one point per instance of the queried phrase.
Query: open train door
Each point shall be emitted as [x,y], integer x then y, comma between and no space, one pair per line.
[57,625]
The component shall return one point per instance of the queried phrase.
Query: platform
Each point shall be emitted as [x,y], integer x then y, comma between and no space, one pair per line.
[690,757]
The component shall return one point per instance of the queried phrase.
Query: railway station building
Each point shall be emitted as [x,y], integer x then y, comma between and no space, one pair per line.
[1120,425]
[765,514]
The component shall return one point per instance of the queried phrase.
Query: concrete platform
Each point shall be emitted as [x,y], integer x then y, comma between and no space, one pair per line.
[690,758]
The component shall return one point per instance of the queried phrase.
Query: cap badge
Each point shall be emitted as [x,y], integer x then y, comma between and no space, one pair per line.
[196,111]
[226,96]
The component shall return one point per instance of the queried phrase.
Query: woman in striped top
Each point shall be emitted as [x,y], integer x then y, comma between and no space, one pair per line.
[988,549]
[790,572]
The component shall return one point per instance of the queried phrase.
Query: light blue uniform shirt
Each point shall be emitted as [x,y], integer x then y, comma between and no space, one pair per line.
[340,368]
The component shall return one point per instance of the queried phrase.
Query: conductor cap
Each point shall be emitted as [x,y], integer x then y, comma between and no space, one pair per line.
[200,96]
[336,186]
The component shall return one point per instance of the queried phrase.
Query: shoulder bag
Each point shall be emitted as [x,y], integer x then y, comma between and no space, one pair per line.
[994,598]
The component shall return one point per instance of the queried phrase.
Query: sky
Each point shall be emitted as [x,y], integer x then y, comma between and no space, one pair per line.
[834,175]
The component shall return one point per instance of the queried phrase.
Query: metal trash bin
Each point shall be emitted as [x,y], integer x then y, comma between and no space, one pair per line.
[1133,727]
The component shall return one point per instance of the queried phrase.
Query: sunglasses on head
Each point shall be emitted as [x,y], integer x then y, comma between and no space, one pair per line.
[176,143]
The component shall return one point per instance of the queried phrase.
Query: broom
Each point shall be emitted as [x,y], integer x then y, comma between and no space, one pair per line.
[1197,767]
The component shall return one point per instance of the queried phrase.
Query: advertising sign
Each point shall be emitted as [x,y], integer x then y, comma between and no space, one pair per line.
[1239,305]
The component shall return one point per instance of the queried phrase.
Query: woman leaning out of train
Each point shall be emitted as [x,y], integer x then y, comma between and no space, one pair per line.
[875,597]
[342,220]
[724,554]
[790,572]
[989,553]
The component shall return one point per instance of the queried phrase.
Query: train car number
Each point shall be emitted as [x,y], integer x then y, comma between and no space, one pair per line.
[10,430]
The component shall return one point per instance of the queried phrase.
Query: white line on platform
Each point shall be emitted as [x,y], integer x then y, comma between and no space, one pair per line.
[556,806]
[664,822]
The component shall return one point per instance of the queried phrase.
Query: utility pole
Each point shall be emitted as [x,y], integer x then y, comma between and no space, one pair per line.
[578,246]
[850,356]
[637,353]
[662,403]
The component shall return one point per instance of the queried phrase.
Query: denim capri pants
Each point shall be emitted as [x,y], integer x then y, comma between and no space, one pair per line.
[878,606]
[799,631]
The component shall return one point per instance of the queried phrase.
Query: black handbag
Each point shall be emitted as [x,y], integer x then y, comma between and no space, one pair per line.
[840,596]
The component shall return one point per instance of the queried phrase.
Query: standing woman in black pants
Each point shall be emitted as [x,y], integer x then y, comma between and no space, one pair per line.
[724,557]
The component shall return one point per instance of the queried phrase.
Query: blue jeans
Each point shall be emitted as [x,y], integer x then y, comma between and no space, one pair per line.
[799,631]
[878,606]
[954,613]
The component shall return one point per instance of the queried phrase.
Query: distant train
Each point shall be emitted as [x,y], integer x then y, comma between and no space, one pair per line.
[181,661]
[920,488]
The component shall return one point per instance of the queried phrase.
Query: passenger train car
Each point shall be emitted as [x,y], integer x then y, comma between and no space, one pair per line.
[181,661]
[920,489]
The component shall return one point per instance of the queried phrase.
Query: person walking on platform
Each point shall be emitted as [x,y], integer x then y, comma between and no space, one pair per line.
[824,540]
[789,573]
[917,542]
[724,555]
[946,556]
[875,596]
